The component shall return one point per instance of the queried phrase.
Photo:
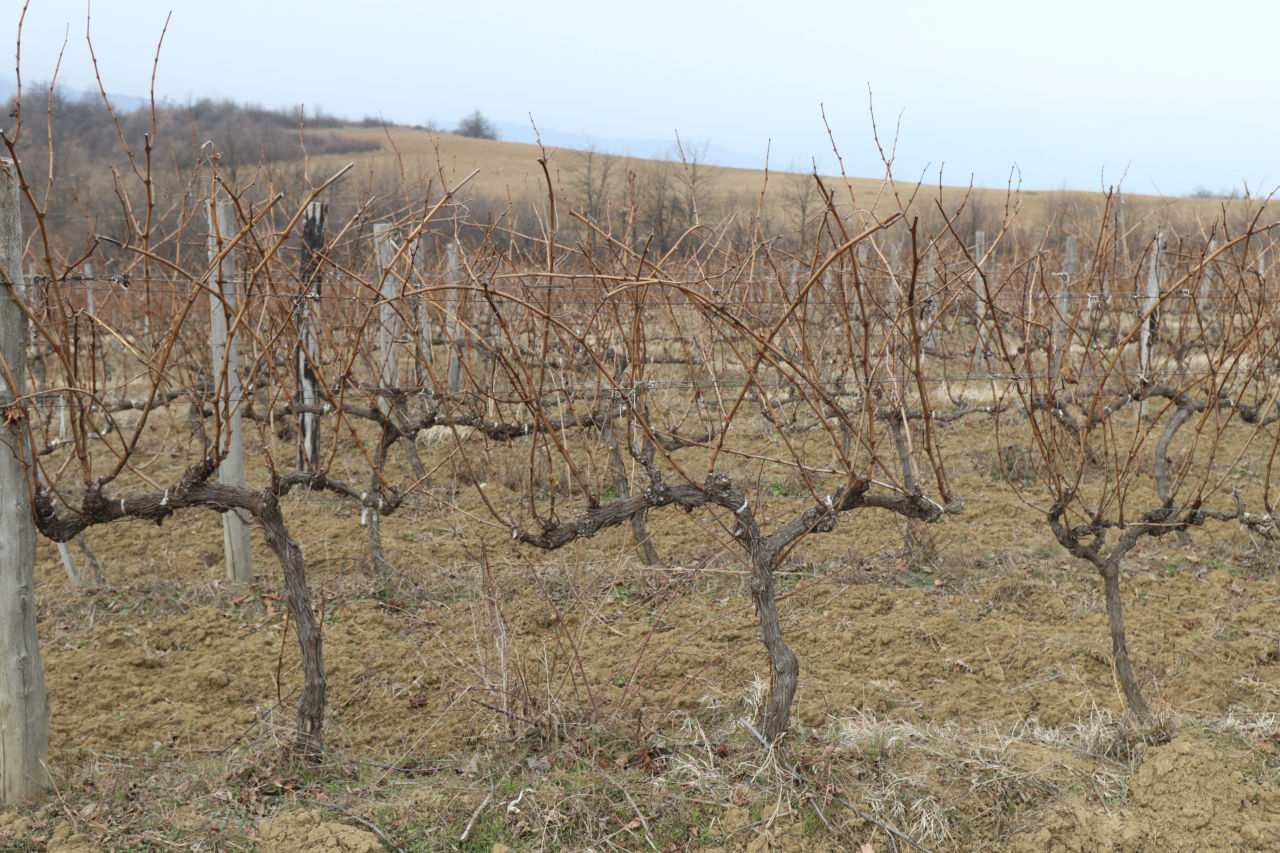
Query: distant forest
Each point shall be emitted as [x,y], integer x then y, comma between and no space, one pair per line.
[91,170]
[85,131]
[87,165]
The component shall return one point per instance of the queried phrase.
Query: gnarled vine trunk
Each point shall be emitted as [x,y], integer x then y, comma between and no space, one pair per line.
[775,717]
[264,507]
[1119,646]
[308,745]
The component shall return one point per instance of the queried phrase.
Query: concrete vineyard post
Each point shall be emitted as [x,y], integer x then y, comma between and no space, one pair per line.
[24,702]
[228,394]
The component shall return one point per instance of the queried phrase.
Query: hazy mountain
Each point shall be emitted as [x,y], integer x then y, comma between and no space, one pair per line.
[122,103]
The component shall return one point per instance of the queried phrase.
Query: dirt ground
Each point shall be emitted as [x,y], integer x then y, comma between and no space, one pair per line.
[956,690]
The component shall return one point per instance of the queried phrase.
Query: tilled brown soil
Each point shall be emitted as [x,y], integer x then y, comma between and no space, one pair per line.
[955,680]
[526,653]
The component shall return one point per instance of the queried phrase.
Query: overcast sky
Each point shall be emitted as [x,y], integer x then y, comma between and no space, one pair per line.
[1178,95]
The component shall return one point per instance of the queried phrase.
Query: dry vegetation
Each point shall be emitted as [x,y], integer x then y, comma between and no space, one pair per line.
[587,434]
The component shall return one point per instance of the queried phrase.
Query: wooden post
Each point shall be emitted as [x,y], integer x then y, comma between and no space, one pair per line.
[422,319]
[1208,280]
[979,286]
[1149,314]
[1058,341]
[1123,234]
[308,352]
[388,321]
[37,303]
[223,299]
[24,703]
[384,252]
[37,359]
[68,560]
[87,269]
[389,333]
[452,327]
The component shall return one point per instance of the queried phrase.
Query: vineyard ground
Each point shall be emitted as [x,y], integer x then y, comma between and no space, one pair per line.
[956,684]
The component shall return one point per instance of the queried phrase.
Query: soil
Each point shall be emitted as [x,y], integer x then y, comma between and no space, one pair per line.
[1188,795]
[983,632]
[305,831]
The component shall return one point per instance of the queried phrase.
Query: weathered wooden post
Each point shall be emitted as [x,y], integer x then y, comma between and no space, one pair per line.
[897,269]
[1208,280]
[24,703]
[308,352]
[980,287]
[1149,315]
[68,560]
[87,269]
[384,254]
[224,363]
[391,328]
[388,322]
[422,319]
[453,329]
[1122,232]
[928,299]
[1058,341]
[37,296]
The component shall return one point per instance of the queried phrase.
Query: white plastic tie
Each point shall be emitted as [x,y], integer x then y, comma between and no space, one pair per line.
[164,501]
[364,517]
[122,509]
[742,508]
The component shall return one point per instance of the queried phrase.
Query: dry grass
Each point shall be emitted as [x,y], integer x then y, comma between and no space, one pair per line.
[509,172]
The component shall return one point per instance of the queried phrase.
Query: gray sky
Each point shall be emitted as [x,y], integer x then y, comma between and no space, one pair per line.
[1178,94]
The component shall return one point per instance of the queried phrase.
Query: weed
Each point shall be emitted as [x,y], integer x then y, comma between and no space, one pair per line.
[920,579]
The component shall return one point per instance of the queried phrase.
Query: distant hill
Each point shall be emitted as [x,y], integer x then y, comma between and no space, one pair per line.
[648,149]
[123,103]
[636,187]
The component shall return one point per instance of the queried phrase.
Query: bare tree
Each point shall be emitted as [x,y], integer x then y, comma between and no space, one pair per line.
[476,126]
[804,203]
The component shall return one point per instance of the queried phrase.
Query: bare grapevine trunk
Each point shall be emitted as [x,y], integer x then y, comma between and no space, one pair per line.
[192,491]
[298,599]
[776,716]
[1119,647]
